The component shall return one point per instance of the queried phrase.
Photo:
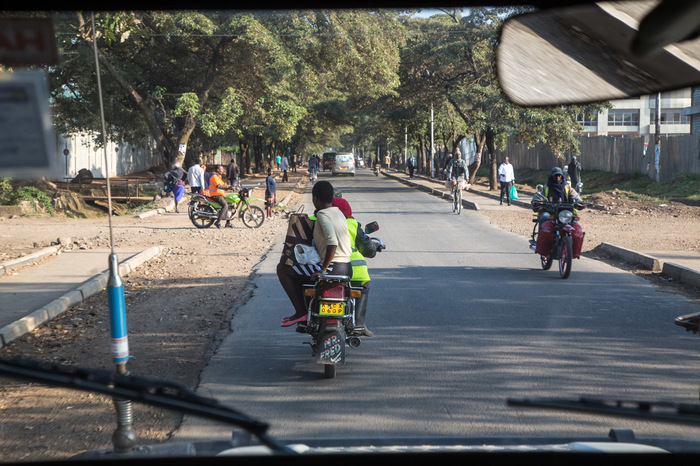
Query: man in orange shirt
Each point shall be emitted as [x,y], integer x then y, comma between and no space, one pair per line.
[216,192]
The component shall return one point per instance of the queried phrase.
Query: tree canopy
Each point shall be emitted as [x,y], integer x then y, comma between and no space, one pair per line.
[307,80]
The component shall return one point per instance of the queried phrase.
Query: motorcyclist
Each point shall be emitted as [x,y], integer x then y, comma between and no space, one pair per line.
[457,170]
[216,192]
[556,190]
[362,246]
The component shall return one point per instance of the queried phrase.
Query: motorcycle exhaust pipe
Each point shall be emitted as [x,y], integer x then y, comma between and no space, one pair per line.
[201,213]
[353,342]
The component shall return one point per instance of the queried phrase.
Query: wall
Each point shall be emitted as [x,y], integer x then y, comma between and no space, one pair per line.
[124,159]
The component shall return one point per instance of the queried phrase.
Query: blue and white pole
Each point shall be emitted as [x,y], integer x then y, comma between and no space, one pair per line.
[117,313]
[124,437]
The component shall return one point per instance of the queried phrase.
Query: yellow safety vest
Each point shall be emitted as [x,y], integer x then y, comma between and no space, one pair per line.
[360,272]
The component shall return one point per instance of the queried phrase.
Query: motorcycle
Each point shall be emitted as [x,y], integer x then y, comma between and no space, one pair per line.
[562,245]
[204,211]
[376,170]
[331,316]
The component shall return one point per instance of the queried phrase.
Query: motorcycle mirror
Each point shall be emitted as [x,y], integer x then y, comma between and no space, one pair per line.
[579,187]
[539,188]
[371,227]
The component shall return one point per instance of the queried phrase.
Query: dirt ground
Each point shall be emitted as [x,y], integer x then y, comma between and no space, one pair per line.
[178,306]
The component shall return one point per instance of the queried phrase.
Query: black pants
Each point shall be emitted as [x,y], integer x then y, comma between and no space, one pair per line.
[284,177]
[505,188]
[410,171]
[292,282]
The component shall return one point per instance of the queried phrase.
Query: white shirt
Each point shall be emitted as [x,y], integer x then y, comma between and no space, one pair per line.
[196,176]
[506,172]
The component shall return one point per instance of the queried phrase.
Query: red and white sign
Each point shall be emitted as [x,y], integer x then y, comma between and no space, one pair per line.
[27,41]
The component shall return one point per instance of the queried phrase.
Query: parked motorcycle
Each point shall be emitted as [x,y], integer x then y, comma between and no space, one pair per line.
[331,316]
[204,211]
[562,243]
[376,170]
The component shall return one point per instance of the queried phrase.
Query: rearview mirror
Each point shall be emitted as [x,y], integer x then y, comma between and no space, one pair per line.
[597,52]
[371,227]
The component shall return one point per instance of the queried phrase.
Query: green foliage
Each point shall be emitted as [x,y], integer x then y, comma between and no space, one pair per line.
[34,195]
[5,190]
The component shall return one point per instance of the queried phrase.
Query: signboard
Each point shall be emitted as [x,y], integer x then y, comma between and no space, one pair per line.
[27,41]
[27,143]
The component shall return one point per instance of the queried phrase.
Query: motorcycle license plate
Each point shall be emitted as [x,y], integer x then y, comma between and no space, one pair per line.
[331,309]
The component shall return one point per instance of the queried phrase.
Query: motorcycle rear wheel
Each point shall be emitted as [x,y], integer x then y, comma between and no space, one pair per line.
[329,371]
[565,255]
[203,221]
[253,216]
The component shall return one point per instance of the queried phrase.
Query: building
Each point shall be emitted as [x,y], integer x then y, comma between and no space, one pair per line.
[637,116]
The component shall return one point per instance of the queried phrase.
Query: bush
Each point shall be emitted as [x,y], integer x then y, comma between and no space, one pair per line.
[34,195]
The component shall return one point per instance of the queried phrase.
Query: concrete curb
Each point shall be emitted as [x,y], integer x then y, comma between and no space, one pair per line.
[676,272]
[7,267]
[58,306]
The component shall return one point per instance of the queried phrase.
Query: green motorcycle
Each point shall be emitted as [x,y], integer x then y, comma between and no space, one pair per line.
[204,211]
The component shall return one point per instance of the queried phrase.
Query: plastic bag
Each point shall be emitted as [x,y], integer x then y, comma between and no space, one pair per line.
[306,254]
[513,192]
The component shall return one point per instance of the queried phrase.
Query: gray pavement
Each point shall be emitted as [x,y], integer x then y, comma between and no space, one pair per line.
[38,287]
[35,291]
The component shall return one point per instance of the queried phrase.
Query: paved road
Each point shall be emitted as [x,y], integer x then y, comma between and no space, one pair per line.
[464,318]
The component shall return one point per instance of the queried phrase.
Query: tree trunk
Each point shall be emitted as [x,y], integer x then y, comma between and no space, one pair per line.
[493,178]
[480,141]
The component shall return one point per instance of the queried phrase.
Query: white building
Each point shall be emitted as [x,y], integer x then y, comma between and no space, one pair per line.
[637,116]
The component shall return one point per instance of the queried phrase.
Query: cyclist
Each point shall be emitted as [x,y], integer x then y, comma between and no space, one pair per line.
[458,171]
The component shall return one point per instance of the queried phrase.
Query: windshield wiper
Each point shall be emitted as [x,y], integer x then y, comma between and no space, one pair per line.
[658,411]
[152,392]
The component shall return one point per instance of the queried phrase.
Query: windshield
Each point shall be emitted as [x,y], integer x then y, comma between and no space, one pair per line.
[119,252]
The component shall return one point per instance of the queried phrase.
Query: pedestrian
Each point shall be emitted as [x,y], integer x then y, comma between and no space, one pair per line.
[387,161]
[278,160]
[232,173]
[294,163]
[284,166]
[574,171]
[270,192]
[507,177]
[195,176]
[411,166]
[177,178]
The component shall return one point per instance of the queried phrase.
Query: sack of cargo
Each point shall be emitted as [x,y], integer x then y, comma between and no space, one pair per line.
[299,231]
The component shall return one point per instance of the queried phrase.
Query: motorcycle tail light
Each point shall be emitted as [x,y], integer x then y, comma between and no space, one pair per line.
[334,292]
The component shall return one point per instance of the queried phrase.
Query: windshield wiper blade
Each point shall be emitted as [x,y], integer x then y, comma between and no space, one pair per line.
[653,410]
[152,392]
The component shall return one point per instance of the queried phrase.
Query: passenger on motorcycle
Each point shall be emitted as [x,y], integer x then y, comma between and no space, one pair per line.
[216,192]
[457,170]
[362,246]
[332,242]
[556,190]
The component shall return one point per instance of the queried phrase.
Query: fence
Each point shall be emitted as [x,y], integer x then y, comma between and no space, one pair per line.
[77,151]
[679,153]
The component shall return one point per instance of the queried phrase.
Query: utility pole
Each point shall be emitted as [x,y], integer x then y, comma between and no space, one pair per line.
[657,144]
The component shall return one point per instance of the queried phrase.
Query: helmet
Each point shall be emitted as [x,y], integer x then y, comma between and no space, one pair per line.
[556,171]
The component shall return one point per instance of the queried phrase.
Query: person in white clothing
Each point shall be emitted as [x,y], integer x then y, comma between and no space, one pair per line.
[195,176]
[507,177]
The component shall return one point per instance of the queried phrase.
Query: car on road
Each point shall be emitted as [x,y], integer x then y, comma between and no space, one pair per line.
[327,160]
[344,164]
